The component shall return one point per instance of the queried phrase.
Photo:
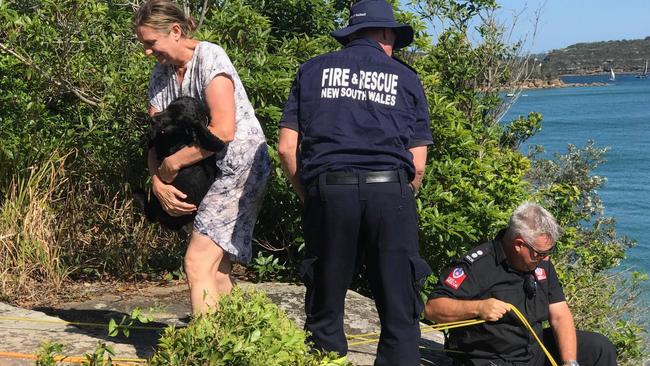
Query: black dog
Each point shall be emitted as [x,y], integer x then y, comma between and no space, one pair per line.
[183,123]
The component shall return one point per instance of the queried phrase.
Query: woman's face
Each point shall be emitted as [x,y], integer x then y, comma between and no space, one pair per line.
[162,46]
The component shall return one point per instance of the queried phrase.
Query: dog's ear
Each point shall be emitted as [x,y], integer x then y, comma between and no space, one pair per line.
[202,135]
[152,134]
[191,132]
[203,115]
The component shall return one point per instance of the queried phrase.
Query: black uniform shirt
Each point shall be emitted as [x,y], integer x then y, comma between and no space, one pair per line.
[357,109]
[484,273]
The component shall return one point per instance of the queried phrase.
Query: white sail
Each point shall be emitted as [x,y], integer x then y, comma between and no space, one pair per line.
[644,75]
[612,76]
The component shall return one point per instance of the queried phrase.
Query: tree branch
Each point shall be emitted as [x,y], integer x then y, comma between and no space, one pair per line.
[204,10]
[60,83]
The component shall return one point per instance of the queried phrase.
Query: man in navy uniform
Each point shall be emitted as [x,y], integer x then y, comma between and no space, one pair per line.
[514,269]
[353,143]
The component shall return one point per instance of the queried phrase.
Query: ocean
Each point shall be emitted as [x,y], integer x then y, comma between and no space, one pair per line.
[616,116]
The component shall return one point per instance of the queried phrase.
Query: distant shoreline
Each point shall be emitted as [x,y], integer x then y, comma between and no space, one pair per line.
[550,84]
[532,84]
[602,73]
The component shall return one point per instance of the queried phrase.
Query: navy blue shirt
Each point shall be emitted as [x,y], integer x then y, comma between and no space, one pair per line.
[357,109]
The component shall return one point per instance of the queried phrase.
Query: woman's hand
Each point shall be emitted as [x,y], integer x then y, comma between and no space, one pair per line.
[168,169]
[171,199]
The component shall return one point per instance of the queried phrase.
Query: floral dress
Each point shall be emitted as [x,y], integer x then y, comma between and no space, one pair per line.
[228,212]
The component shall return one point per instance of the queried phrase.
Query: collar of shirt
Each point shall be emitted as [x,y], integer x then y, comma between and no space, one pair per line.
[365,42]
[499,253]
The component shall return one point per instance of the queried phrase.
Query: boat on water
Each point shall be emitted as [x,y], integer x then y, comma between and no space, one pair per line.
[612,76]
[645,72]
[510,95]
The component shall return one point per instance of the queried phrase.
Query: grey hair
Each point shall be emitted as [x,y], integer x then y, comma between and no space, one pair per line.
[530,220]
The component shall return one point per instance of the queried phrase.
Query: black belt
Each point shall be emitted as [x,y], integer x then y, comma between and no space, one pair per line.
[388,176]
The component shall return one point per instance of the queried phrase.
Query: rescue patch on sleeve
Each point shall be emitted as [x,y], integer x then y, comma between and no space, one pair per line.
[540,273]
[456,278]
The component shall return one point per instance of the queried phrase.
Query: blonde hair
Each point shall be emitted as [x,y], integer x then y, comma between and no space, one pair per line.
[160,15]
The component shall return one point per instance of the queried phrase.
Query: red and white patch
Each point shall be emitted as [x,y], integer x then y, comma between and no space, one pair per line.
[456,278]
[540,274]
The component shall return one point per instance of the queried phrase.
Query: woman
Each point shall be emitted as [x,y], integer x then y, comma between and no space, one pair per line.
[225,219]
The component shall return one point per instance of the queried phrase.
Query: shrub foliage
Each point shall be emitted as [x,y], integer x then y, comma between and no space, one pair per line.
[247,329]
[73,86]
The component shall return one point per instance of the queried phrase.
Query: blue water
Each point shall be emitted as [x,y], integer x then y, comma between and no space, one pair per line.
[616,116]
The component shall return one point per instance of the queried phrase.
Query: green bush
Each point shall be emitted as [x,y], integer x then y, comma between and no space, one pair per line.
[248,329]
[601,299]
[73,79]
[47,352]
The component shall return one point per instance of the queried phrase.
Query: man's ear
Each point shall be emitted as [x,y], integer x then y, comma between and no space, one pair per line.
[518,243]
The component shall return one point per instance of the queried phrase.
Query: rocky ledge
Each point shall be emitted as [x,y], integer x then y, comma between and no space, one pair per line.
[24,331]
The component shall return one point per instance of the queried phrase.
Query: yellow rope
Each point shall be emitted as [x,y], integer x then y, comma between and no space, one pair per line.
[366,337]
[530,328]
[434,327]
[424,329]
[72,359]
[458,324]
[85,324]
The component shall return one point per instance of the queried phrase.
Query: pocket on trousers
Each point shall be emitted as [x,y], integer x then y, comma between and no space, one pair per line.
[419,270]
[306,271]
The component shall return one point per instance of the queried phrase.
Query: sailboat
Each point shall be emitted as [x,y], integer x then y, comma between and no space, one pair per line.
[645,72]
[612,76]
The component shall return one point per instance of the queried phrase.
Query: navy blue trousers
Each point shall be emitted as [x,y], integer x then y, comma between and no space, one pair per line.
[370,224]
[594,349]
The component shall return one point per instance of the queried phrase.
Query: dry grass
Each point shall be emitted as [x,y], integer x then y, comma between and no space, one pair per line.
[29,227]
[53,228]
[104,235]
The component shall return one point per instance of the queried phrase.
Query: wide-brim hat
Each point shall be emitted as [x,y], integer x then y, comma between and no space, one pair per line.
[374,14]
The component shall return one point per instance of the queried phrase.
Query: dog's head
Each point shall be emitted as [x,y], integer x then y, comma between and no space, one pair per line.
[188,111]
[181,119]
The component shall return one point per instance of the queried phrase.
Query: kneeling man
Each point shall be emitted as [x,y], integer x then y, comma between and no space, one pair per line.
[514,268]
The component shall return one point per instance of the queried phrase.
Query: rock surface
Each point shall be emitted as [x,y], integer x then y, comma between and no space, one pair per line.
[24,331]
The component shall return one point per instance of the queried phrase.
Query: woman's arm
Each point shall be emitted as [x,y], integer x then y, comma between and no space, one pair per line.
[220,98]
